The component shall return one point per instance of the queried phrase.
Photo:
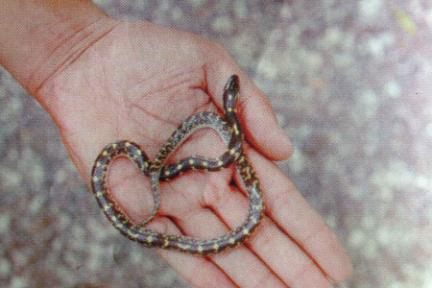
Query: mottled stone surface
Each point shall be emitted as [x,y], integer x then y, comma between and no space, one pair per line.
[351,83]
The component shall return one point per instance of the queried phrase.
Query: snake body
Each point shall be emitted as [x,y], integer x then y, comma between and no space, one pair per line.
[229,129]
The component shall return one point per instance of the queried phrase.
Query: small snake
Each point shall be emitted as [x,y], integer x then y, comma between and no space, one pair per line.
[229,129]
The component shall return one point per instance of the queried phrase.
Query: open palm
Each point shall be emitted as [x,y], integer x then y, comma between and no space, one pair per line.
[138,82]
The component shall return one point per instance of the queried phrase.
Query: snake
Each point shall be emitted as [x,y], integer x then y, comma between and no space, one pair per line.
[230,131]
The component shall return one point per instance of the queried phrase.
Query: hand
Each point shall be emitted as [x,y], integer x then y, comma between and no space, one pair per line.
[138,81]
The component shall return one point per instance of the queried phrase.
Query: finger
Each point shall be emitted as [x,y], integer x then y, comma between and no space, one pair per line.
[269,243]
[197,270]
[242,266]
[254,109]
[294,216]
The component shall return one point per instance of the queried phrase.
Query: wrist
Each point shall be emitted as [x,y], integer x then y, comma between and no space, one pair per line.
[38,38]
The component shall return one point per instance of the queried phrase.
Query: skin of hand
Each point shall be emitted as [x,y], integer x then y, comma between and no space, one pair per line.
[138,81]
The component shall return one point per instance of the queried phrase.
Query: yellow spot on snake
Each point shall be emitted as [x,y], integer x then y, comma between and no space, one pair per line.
[257,207]
[205,163]
[99,193]
[107,207]
[114,145]
[216,246]
[200,249]
[166,243]
[127,144]
[105,153]
[246,231]
[132,235]
[183,247]
[236,130]
[95,179]
[231,240]
[232,151]
[167,172]
[230,109]
[149,239]
[191,161]
[179,166]
[219,162]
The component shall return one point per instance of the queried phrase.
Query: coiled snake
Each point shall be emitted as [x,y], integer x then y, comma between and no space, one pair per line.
[229,129]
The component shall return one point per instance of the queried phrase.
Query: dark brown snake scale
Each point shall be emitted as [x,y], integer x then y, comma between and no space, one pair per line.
[229,129]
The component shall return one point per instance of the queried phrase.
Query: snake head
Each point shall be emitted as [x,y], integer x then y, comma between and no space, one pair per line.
[231,90]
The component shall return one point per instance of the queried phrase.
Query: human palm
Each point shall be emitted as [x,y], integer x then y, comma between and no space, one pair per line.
[139,82]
